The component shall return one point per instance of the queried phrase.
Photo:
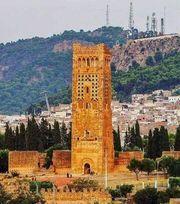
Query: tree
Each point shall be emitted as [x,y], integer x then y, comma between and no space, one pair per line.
[132,138]
[127,139]
[146,196]
[17,138]
[56,133]
[64,135]
[148,165]
[177,140]
[135,166]
[50,140]
[9,138]
[150,152]
[156,144]
[150,61]
[32,135]
[4,161]
[22,138]
[117,140]
[138,141]
[165,146]
[44,135]
[166,164]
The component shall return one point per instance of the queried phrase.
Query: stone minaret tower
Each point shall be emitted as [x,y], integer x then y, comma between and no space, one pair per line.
[92,139]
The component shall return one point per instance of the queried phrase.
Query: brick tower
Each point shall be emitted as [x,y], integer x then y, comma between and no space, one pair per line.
[92,140]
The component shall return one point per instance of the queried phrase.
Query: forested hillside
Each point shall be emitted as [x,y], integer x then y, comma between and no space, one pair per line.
[166,75]
[30,67]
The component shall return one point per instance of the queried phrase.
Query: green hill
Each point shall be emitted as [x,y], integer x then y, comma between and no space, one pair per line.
[29,67]
[140,80]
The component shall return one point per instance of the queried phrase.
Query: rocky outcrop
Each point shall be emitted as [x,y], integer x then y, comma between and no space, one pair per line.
[139,50]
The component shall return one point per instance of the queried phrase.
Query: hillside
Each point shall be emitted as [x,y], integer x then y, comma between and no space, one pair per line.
[136,52]
[140,80]
[29,67]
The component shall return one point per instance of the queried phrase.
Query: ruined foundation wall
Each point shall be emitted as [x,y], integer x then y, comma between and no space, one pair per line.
[24,161]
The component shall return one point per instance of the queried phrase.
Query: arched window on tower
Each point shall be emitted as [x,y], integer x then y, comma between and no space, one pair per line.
[79,62]
[92,62]
[87,90]
[88,62]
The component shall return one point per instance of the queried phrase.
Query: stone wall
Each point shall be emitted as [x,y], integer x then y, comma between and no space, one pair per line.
[85,197]
[139,50]
[124,159]
[61,161]
[24,161]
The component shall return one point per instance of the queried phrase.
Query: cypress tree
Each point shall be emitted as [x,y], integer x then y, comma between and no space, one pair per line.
[177,140]
[9,138]
[138,140]
[69,135]
[166,143]
[150,145]
[64,135]
[56,133]
[132,138]
[22,139]
[17,138]
[44,135]
[32,135]
[50,140]
[127,139]
[117,142]
[156,144]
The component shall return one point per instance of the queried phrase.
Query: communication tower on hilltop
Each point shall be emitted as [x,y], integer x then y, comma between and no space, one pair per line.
[107,15]
[131,17]
[162,26]
[154,23]
[147,24]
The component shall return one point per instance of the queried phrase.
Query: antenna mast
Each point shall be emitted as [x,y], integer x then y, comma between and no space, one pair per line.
[147,24]
[154,23]
[107,15]
[131,17]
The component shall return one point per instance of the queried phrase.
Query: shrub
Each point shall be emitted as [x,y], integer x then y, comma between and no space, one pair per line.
[43,184]
[163,197]
[81,183]
[4,161]
[125,189]
[174,182]
[146,196]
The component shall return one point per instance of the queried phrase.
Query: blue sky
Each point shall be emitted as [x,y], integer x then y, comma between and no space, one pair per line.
[22,19]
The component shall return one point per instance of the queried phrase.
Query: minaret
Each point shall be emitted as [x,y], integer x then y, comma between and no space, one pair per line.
[92,138]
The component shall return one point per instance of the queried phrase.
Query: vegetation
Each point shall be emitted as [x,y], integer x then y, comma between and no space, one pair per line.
[135,166]
[133,140]
[44,184]
[36,136]
[177,140]
[158,141]
[82,183]
[120,191]
[32,67]
[117,140]
[3,161]
[166,75]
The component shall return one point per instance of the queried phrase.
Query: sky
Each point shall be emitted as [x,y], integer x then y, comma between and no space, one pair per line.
[21,19]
